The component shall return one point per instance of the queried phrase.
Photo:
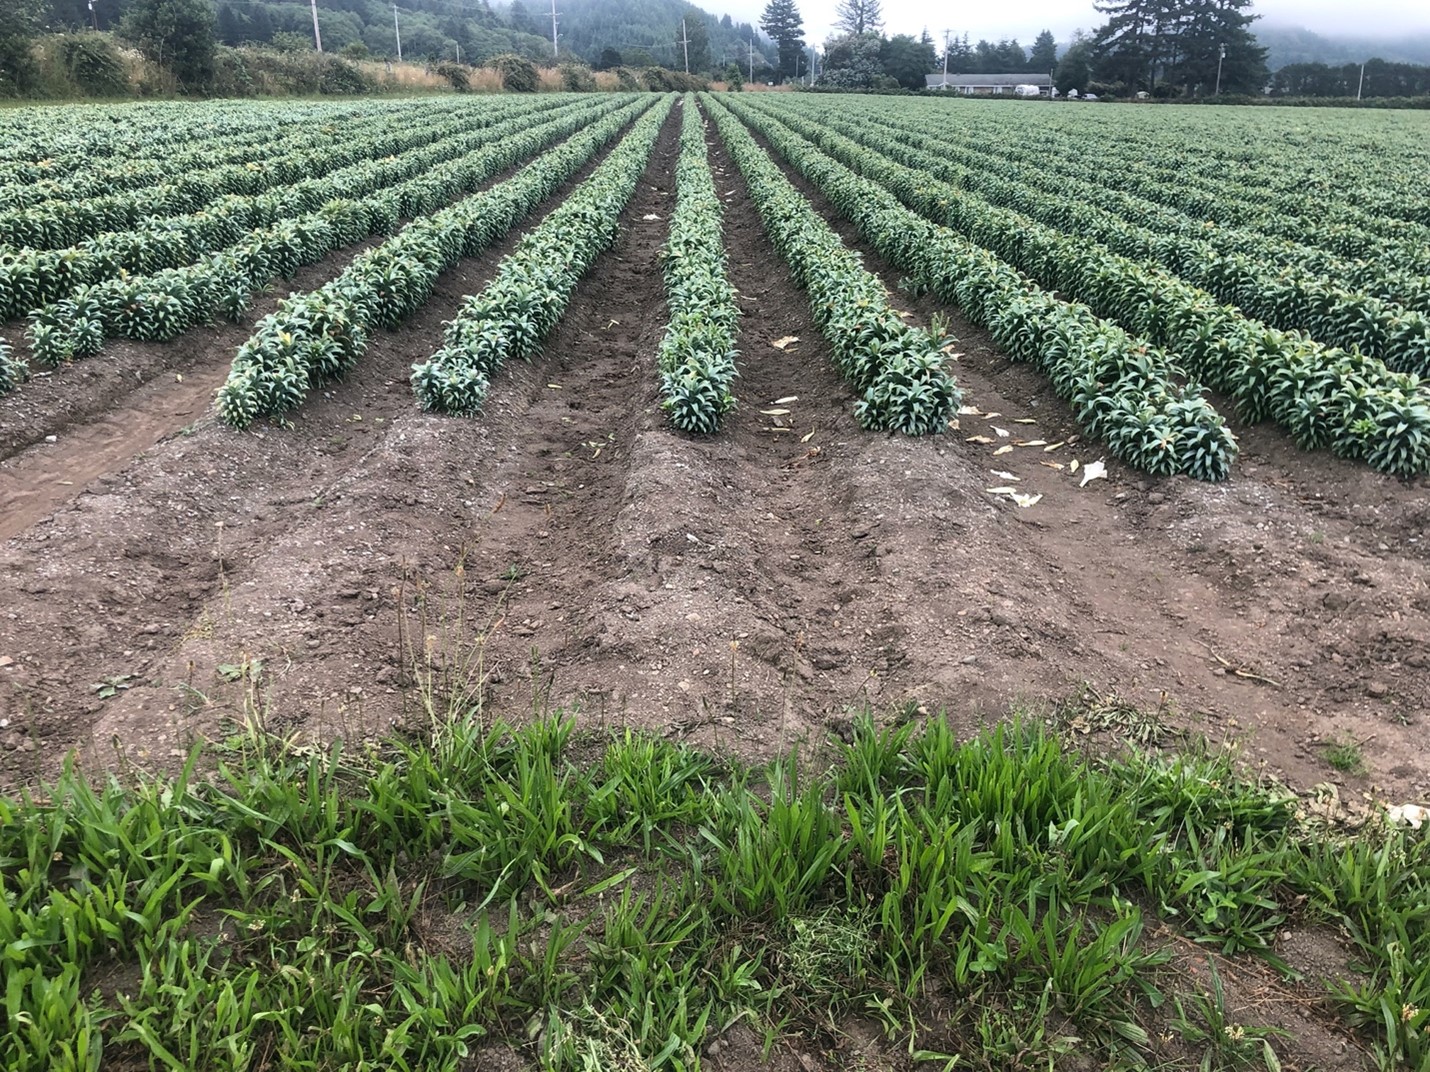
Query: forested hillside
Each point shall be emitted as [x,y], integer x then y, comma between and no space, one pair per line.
[600,32]
[1286,45]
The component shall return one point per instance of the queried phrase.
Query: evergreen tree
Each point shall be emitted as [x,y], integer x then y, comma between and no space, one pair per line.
[260,25]
[782,22]
[1133,44]
[859,16]
[1147,44]
[1010,57]
[178,34]
[520,20]
[1074,70]
[692,39]
[985,58]
[1204,29]
[906,60]
[960,55]
[230,25]
[852,61]
[18,19]
[1044,56]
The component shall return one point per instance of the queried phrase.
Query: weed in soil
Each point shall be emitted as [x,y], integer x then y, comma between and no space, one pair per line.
[1344,755]
[397,904]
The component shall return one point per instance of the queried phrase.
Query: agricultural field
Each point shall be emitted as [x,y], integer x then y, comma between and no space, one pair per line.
[736,428]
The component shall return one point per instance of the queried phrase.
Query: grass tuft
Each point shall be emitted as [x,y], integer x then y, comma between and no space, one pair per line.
[986,901]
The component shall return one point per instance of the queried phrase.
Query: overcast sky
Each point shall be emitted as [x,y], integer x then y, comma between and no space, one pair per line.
[1370,18]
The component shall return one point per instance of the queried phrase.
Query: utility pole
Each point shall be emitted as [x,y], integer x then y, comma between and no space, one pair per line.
[458,46]
[945,59]
[555,48]
[317,35]
[93,18]
[1361,84]
[685,43]
[752,59]
[396,31]
[1221,55]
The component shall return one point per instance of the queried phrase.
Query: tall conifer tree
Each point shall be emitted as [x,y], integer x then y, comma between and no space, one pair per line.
[782,22]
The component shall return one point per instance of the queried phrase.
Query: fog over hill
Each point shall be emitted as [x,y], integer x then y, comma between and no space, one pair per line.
[1292,44]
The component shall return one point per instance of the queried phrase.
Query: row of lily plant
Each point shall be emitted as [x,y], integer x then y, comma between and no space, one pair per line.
[1323,396]
[1237,266]
[525,299]
[697,354]
[64,220]
[1122,390]
[316,337]
[897,371]
[163,304]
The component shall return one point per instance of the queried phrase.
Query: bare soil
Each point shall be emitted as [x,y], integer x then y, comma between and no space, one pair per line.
[750,587]
[745,591]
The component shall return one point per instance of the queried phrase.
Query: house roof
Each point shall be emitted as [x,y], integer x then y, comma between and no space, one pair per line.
[975,81]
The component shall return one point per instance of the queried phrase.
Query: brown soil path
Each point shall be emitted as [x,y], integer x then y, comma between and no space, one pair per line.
[147,560]
[1285,608]
[749,589]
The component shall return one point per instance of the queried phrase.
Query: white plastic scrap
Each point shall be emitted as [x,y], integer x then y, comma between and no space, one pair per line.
[1411,815]
[1017,496]
[1093,471]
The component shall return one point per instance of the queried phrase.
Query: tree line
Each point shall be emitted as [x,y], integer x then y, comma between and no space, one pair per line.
[182,35]
[1167,48]
[1374,78]
[861,56]
[1163,48]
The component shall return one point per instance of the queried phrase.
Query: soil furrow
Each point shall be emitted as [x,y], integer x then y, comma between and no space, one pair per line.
[747,590]
[1283,608]
[148,568]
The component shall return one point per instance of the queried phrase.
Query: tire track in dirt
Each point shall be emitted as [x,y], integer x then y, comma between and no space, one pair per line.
[195,552]
[1287,606]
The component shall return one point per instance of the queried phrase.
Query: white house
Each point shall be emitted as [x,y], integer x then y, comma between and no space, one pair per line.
[970,84]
